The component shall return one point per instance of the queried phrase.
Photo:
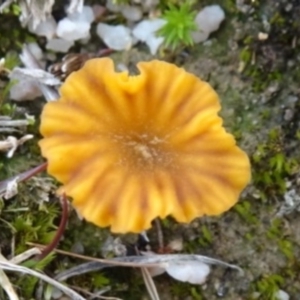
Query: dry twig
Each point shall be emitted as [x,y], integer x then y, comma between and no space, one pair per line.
[6,284]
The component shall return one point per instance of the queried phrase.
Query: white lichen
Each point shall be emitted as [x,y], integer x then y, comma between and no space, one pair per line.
[291,203]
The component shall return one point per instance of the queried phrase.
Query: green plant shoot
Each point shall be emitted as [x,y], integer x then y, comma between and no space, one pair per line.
[179,25]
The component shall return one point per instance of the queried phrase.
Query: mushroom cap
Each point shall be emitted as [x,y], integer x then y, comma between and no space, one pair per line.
[130,148]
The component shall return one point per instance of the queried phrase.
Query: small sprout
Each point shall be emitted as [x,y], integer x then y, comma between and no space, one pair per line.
[180,24]
[272,166]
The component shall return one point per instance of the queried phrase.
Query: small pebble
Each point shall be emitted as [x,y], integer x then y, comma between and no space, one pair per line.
[45,28]
[70,30]
[208,20]
[148,4]
[59,45]
[86,15]
[145,32]
[25,90]
[193,272]
[146,28]
[111,6]
[262,36]
[288,7]
[154,43]
[36,51]
[115,37]
[76,26]
[176,245]
[132,13]
[282,295]
[288,114]
[292,99]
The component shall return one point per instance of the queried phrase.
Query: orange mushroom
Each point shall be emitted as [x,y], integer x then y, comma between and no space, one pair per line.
[131,148]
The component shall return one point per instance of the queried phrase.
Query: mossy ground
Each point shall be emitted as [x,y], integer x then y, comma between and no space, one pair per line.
[258,83]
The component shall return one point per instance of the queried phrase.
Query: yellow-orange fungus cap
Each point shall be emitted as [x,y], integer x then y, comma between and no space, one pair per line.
[129,149]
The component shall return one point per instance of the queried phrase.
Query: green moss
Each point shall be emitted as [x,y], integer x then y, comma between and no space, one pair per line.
[268,285]
[252,69]
[271,166]
[264,61]
[99,280]
[287,248]
[36,225]
[27,284]
[90,236]
[275,230]
[206,237]
[181,290]
[7,109]
[277,233]
[196,293]
[245,211]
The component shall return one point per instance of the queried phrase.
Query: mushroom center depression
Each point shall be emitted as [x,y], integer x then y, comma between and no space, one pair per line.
[144,152]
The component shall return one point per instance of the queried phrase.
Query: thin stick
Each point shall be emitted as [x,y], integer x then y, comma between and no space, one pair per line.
[6,265]
[157,260]
[6,284]
[25,255]
[150,285]
[94,295]
[90,258]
